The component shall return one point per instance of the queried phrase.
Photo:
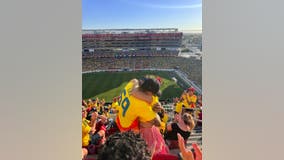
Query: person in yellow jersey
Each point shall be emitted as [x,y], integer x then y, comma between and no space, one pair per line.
[87,128]
[183,99]
[164,119]
[179,106]
[191,98]
[114,105]
[149,130]
[133,111]
[106,112]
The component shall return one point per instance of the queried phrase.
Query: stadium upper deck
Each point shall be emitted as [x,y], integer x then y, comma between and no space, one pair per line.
[131,42]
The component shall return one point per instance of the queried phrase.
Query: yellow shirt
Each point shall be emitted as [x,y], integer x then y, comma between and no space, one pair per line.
[85,132]
[164,121]
[179,107]
[192,99]
[165,118]
[131,110]
[115,105]
[155,100]
[184,100]
[162,127]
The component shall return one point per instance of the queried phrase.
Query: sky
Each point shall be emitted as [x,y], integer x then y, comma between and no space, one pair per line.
[186,15]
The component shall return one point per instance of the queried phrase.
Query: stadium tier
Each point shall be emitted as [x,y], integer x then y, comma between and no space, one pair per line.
[131,42]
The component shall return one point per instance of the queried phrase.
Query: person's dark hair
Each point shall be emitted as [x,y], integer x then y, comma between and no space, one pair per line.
[126,146]
[89,115]
[151,85]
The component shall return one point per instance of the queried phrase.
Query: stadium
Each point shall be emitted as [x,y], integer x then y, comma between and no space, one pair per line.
[135,50]
[112,57]
[131,42]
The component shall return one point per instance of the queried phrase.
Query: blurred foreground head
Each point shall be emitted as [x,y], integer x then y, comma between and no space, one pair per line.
[126,146]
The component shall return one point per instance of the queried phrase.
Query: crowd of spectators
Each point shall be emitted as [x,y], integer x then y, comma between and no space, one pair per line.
[134,53]
[191,66]
[103,133]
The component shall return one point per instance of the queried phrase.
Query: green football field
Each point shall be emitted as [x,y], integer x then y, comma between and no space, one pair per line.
[109,84]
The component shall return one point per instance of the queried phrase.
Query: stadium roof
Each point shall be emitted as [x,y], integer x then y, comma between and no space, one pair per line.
[119,31]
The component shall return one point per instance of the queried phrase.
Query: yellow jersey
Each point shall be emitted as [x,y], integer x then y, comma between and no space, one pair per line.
[192,99]
[164,121]
[115,105]
[165,118]
[178,107]
[162,127]
[131,110]
[155,100]
[85,132]
[184,100]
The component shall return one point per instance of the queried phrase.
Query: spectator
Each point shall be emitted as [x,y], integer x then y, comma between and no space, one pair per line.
[115,105]
[98,138]
[133,110]
[164,119]
[87,128]
[125,146]
[191,98]
[106,112]
[178,110]
[184,127]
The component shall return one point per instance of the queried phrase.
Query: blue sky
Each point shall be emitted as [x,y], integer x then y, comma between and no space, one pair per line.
[185,15]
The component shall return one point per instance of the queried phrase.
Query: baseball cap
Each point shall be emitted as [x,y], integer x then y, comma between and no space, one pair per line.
[191,89]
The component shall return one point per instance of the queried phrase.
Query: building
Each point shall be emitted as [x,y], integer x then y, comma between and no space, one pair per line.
[131,42]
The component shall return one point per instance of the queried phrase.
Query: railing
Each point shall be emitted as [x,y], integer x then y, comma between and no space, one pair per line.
[183,76]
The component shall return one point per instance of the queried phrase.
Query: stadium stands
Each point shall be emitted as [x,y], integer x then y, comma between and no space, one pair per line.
[190,66]
[131,42]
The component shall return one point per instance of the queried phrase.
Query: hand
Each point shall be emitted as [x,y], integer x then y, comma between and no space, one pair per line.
[157,107]
[197,151]
[84,153]
[187,155]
